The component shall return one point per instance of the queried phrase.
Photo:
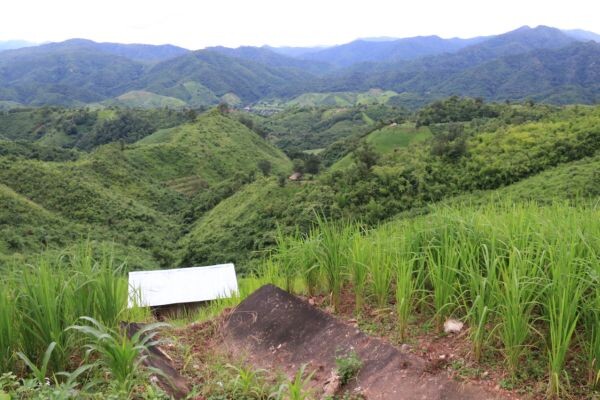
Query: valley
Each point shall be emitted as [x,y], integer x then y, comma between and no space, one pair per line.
[384,186]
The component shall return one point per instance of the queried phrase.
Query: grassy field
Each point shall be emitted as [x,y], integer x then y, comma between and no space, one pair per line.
[390,138]
[342,99]
[143,99]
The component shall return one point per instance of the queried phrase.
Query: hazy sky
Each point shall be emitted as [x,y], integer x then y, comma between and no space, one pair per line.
[197,24]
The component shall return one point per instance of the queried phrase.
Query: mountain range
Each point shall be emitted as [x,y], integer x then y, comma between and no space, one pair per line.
[542,63]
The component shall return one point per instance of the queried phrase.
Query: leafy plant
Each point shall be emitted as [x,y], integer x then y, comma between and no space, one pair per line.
[121,355]
[348,366]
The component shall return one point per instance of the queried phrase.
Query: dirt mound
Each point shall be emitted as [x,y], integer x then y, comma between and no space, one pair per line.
[278,330]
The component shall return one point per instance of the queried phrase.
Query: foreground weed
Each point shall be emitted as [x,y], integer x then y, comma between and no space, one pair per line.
[481,285]
[296,389]
[120,355]
[381,268]
[442,259]
[9,328]
[348,366]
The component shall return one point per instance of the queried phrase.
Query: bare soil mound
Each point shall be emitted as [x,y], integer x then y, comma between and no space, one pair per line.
[278,330]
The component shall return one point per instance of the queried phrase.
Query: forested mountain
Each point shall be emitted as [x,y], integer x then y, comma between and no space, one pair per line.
[563,76]
[272,58]
[133,194]
[135,52]
[221,74]
[63,76]
[541,63]
[365,50]
[488,69]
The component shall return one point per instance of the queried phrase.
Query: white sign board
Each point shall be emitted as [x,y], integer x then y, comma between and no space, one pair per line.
[182,285]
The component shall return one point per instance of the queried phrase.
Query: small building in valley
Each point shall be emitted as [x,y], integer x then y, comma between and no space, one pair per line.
[173,291]
[296,176]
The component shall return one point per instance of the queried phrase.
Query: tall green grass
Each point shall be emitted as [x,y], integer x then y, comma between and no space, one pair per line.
[9,327]
[42,300]
[332,255]
[521,275]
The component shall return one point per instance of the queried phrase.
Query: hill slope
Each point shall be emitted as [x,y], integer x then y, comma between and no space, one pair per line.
[222,74]
[211,149]
[133,194]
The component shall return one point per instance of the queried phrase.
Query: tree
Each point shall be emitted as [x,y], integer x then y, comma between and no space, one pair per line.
[281,180]
[298,165]
[366,156]
[223,108]
[265,167]
[312,164]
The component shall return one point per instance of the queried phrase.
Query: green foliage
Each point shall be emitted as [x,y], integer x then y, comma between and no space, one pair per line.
[477,158]
[348,366]
[454,109]
[134,195]
[83,128]
[305,128]
[518,273]
[243,226]
[121,355]
[43,300]
[298,388]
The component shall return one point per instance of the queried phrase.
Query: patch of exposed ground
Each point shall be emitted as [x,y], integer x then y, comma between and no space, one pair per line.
[280,331]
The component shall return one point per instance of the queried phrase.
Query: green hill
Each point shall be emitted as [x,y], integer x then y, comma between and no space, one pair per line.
[342,99]
[86,128]
[577,180]
[308,128]
[243,227]
[222,74]
[135,195]
[388,139]
[26,226]
[212,148]
[143,99]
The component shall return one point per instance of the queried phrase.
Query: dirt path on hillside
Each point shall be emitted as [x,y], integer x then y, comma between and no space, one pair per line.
[276,330]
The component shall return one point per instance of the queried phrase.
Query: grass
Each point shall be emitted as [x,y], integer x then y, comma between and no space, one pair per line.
[117,352]
[522,275]
[46,298]
[389,138]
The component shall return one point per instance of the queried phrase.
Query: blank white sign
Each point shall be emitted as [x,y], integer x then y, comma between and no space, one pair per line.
[182,285]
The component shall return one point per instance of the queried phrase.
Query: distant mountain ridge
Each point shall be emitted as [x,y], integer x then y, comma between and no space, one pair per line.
[14,44]
[420,69]
[134,52]
[365,50]
[580,34]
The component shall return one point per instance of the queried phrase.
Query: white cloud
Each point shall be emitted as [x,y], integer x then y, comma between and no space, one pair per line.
[196,24]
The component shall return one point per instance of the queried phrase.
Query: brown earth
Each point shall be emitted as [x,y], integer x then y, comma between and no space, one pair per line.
[277,330]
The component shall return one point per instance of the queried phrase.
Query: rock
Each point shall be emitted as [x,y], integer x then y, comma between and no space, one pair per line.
[453,326]
[332,385]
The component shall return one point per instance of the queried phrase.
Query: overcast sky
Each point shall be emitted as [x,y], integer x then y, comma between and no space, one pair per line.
[196,24]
